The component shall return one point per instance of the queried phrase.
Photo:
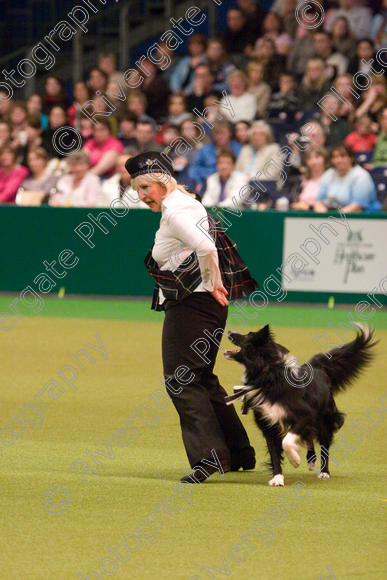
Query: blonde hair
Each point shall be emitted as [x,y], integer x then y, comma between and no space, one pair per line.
[306,82]
[238,74]
[165,180]
[262,126]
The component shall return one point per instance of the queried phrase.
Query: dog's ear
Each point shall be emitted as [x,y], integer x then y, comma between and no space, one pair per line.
[262,336]
[266,332]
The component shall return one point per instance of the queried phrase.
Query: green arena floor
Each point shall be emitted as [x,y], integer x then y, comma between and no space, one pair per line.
[116,418]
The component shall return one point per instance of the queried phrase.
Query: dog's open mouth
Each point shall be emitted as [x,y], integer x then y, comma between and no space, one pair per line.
[229,353]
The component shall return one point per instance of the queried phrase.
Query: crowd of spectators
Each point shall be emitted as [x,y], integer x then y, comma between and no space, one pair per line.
[270,102]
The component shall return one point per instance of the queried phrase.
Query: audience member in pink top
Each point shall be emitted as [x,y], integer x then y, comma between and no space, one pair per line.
[103,149]
[11,175]
[316,161]
[80,187]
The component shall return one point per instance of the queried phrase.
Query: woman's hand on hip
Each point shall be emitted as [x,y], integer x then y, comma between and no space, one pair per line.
[220,295]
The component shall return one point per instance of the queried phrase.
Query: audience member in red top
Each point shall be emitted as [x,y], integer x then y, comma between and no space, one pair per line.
[103,149]
[81,95]
[12,175]
[54,94]
[362,139]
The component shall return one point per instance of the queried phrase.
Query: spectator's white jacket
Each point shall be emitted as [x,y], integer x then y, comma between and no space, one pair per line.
[110,190]
[233,186]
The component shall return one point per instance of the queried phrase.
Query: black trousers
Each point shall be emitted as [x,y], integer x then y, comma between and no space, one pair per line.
[206,421]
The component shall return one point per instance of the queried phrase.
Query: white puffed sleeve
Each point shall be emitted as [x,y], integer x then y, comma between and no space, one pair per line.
[189,230]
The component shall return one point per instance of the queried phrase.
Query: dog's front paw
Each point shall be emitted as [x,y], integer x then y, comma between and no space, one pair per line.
[290,446]
[312,465]
[323,475]
[277,481]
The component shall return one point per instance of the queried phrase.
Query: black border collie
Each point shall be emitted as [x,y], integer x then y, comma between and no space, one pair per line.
[293,404]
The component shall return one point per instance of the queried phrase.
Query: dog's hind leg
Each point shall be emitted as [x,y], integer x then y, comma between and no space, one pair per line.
[325,439]
[331,422]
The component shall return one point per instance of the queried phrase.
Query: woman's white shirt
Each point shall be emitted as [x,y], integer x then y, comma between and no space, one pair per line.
[183,229]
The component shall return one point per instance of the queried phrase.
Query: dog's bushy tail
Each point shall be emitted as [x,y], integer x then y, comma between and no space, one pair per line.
[345,363]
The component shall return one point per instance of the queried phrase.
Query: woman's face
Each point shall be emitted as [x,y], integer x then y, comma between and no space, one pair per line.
[150,192]
[265,48]
[57,117]
[79,169]
[81,94]
[341,162]
[343,86]
[36,163]
[5,133]
[190,130]
[270,24]
[316,164]
[258,138]
[364,50]
[241,132]
[255,74]
[136,106]
[34,104]
[97,80]
[176,106]
[7,159]
[195,48]
[214,51]
[340,28]
[314,71]
[53,87]
[101,134]
[18,115]
[237,86]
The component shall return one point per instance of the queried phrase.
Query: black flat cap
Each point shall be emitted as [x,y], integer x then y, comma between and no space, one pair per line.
[148,162]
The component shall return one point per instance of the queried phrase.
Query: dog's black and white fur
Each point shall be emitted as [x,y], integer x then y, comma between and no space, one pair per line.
[291,415]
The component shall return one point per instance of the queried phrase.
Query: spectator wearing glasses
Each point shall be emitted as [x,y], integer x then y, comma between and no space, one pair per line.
[345,184]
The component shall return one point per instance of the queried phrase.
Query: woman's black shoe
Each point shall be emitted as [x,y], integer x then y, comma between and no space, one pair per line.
[201,473]
[245,459]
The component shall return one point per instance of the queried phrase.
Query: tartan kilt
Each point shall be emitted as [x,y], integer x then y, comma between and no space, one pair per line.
[180,283]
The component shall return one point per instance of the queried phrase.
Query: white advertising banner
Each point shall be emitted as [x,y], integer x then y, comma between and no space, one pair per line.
[334,255]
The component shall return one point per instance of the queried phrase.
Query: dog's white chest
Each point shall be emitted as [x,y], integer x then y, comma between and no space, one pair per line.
[274,413]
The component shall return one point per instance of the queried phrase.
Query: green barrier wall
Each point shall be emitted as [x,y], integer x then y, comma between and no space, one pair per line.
[114,266]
